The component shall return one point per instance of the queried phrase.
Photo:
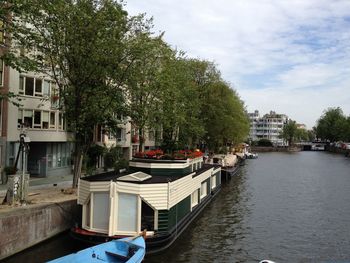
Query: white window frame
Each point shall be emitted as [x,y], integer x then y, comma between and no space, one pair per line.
[203,190]
[51,126]
[91,213]
[213,181]
[114,216]
[22,84]
[194,198]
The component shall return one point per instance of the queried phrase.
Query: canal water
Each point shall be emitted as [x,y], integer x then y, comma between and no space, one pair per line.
[286,207]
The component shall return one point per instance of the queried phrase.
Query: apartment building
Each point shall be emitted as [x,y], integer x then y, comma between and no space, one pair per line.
[39,117]
[126,137]
[268,126]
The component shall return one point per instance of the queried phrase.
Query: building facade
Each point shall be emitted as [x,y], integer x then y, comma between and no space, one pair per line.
[42,122]
[268,126]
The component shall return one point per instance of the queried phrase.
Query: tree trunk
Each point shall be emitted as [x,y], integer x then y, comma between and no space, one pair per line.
[141,140]
[78,161]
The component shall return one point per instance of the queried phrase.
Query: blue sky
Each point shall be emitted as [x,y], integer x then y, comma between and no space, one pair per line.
[290,56]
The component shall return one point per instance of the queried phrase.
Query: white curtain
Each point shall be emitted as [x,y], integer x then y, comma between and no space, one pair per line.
[127,212]
[101,210]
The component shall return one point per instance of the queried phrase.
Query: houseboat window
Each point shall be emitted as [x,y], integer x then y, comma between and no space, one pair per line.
[127,212]
[203,189]
[194,198]
[213,181]
[87,214]
[100,217]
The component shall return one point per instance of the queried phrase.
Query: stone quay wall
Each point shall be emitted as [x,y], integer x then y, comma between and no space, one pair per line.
[25,226]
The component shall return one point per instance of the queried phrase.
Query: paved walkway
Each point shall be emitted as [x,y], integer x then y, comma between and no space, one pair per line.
[38,183]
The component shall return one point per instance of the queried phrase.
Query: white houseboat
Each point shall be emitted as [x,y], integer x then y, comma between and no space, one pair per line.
[162,196]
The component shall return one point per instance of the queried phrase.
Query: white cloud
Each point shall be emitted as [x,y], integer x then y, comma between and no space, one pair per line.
[278,54]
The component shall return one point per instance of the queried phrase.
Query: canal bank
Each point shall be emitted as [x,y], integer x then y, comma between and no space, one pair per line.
[50,211]
[262,149]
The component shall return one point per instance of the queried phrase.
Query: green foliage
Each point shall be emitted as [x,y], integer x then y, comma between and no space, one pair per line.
[111,157]
[199,107]
[264,143]
[289,132]
[88,47]
[92,155]
[333,125]
[121,164]
[105,62]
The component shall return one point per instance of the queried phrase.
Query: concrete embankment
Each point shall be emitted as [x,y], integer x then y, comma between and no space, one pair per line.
[274,149]
[25,226]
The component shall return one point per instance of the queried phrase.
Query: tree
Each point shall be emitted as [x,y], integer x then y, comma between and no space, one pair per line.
[85,46]
[180,106]
[143,86]
[333,125]
[289,132]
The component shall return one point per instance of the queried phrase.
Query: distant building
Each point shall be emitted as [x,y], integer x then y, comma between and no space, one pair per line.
[301,126]
[269,126]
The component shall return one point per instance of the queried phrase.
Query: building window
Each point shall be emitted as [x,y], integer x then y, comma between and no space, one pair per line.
[29,86]
[37,119]
[151,135]
[45,120]
[135,149]
[203,190]
[38,88]
[1,72]
[120,134]
[21,85]
[46,91]
[60,121]
[20,118]
[28,118]
[52,120]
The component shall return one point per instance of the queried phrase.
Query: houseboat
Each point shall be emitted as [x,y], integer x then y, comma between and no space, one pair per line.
[229,164]
[161,196]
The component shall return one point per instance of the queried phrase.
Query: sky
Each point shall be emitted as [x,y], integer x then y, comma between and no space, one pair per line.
[289,56]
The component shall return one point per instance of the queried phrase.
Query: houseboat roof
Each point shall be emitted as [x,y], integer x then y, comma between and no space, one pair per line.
[152,179]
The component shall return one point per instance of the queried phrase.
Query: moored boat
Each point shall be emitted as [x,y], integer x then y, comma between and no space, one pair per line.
[128,250]
[229,164]
[162,196]
[250,155]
